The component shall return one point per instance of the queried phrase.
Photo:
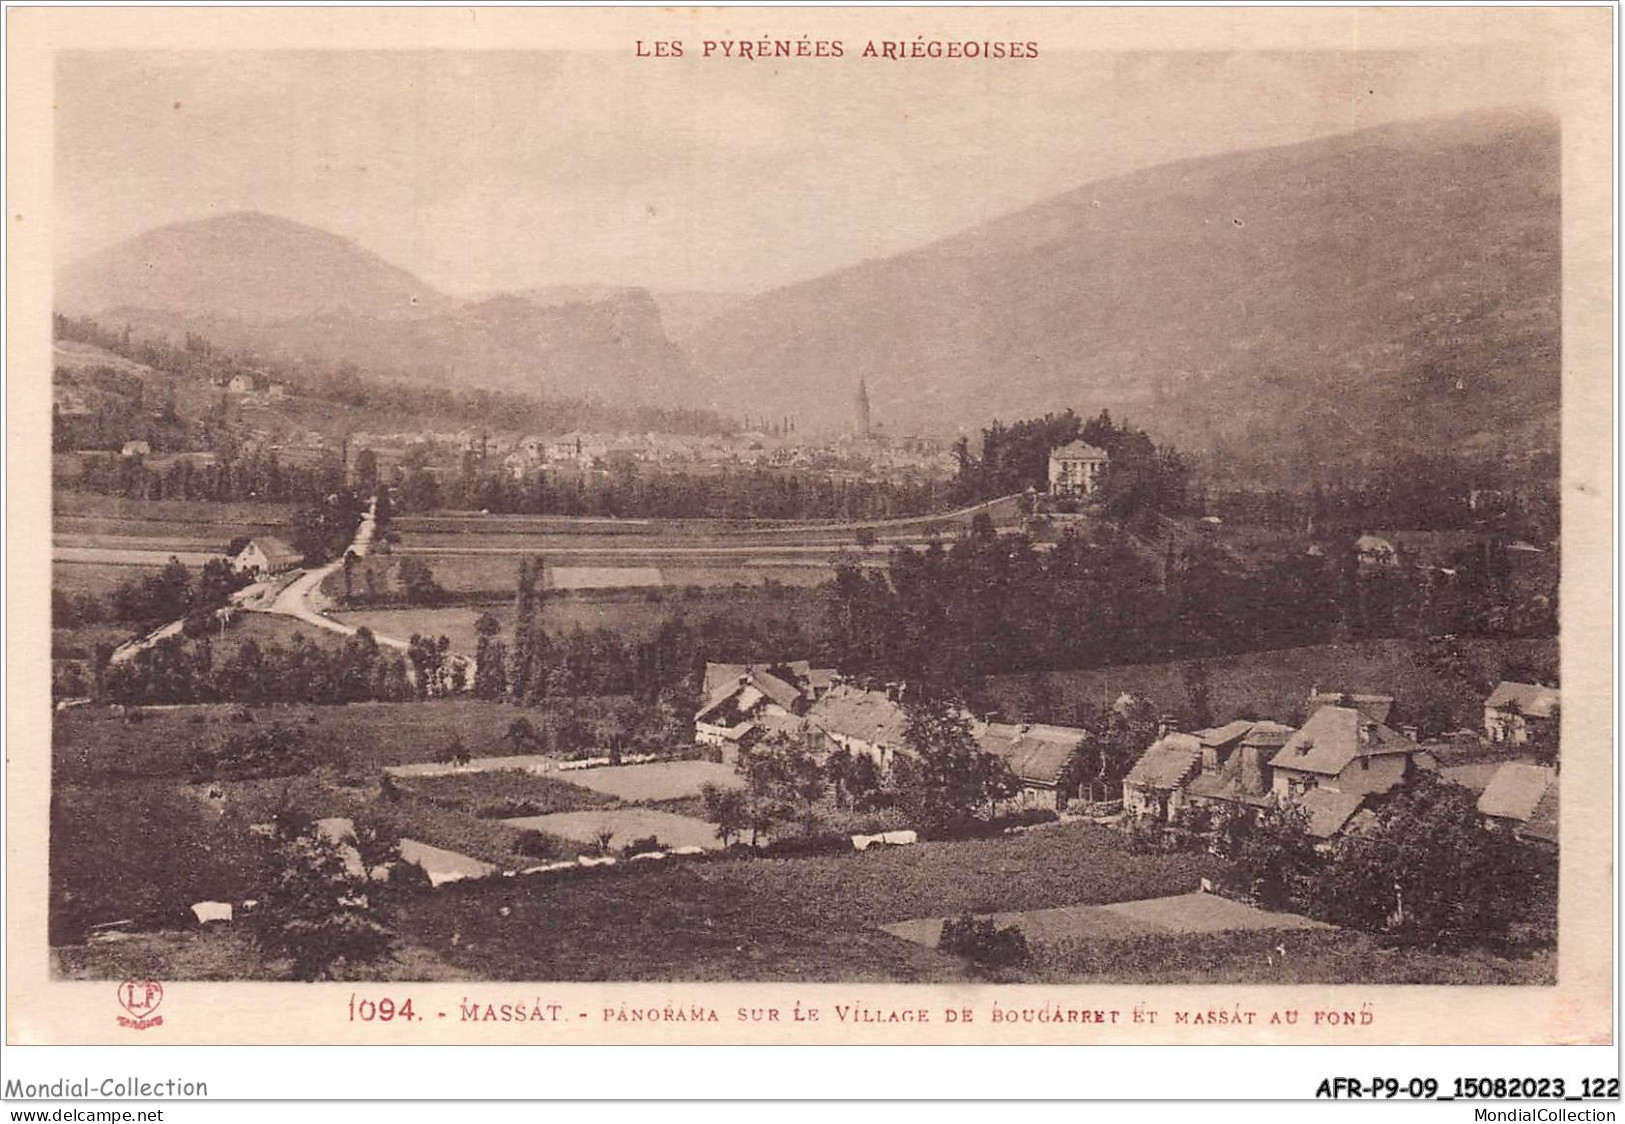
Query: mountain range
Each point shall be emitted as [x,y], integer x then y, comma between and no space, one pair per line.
[1341,299]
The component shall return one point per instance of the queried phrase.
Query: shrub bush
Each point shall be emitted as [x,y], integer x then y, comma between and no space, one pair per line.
[981,941]
[409,878]
[647,845]
[535,845]
[818,843]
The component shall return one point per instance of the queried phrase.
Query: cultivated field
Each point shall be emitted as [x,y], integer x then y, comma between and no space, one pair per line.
[502,795]
[632,617]
[100,542]
[1181,913]
[624,825]
[657,780]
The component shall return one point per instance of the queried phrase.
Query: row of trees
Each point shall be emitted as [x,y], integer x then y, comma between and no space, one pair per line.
[992,605]
[1141,480]
[239,474]
[627,489]
[170,594]
[179,669]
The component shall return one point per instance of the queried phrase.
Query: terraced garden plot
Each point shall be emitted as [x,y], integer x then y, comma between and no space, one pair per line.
[1181,913]
[504,794]
[626,824]
[659,780]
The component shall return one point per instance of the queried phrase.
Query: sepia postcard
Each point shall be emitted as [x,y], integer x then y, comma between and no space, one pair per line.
[810,526]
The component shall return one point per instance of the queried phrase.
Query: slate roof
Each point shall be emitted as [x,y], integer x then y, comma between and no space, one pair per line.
[1331,739]
[1533,701]
[1168,763]
[1224,735]
[1543,824]
[1080,450]
[1267,734]
[869,716]
[1035,753]
[1516,791]
[277,553]
[1328,811]
[719,685]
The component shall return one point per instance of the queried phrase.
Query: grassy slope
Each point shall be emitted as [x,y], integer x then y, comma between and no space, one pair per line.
[1275,684]
[89,744]
[770,919]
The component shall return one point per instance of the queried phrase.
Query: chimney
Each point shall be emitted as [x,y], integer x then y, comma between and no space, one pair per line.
[1167,724]
[1367,728]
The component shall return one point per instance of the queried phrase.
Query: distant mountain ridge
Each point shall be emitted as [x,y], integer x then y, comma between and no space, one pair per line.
[1341,298]
[1326,303]
[279,288]
[245,266]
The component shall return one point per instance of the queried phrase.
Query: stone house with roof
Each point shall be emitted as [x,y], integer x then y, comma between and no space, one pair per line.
[1345,750]
[266,555]
[1514,710]
[1041,756]
[864,723]
[1156,785]
[1075,469]
[743,702]
[1235,764]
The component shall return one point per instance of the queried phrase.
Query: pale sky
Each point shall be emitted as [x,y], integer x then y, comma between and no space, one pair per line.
[493,170]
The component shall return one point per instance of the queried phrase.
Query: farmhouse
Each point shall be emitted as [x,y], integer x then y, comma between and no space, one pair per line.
[1040,756]
[1074,470]
[1514,710]
[1422,550]
[1345,750]
[744,701]
[1156,785]
[870,723]
[266,555]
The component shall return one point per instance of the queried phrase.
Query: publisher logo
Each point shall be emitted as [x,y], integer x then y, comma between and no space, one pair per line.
[141,998]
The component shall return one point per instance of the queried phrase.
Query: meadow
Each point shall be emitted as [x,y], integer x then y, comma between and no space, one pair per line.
[503,795]
[1276,684]
[631,616]
[94,743]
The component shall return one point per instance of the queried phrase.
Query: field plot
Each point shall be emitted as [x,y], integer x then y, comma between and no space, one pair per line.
[625,825]
[1180,913]
[503,794]
[135,554]
[441,865]
[632,616]
[781,919]
[96,578]
[657,780]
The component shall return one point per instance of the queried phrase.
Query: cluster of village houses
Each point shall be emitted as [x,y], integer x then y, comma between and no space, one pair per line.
[1338,766]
